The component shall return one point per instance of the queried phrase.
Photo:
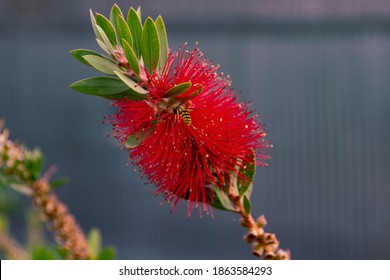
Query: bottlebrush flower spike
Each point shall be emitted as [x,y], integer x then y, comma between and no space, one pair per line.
[192,140]
[177,114]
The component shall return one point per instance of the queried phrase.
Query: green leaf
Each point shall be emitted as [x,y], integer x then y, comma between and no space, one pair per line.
[131,57]
[108,253]
[59,182]
[62,252]
[106,87]
[217,204]
[133,141]
[248,192]
[221,200]
[246,175]
[107,27]
[114,14]
[162,35]
[94,242]
[136,139]
[124,31]
[102,64]
[150,45]
[79,53]
[131,84]
[33,161]
[103,46]
[178,89]
[135,25]
[192,94]
[139,13]
[247,205]
[43,253]
[100,86]
[93,21]
[104,42]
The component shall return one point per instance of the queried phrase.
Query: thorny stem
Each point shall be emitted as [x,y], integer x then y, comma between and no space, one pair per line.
[264,244]
[11,248]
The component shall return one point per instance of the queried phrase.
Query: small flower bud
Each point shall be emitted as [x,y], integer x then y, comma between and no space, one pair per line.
[282,254]
[60,210]
[269,256]
[260,231]
[50,206]
[269,238]
[258,250]
[261,221]
[251,236]
[272,247]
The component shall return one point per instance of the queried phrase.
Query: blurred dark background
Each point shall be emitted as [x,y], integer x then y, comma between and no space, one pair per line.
[318,72]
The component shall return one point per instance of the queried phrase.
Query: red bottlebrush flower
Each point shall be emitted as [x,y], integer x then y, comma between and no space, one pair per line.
[191,140]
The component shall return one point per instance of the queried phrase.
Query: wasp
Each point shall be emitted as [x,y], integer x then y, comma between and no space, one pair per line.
[184,113]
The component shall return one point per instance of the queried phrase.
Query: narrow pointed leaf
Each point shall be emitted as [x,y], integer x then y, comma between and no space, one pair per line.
[79,53]
[114,14]
[93,21]
[218,205]
[131,84]
[94,242]
[103,46]
[178,89]
[139,13]
[133,141]
[108,253]
[131,57]
[109,48]
[102,64]
[135,26]
[214,200]
[100,86]
[42,253]
[247,205]
[192,94]
[162,35]
[107,27]
[62,253]
[33,161]
[59,182]
[248,191]
[106,87]
[137,138]
[150,45]
[221,200]
[246,175]
[200,88]
[123,31]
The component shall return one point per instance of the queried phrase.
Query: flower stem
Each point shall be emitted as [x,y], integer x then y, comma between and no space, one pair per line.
[263,244]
